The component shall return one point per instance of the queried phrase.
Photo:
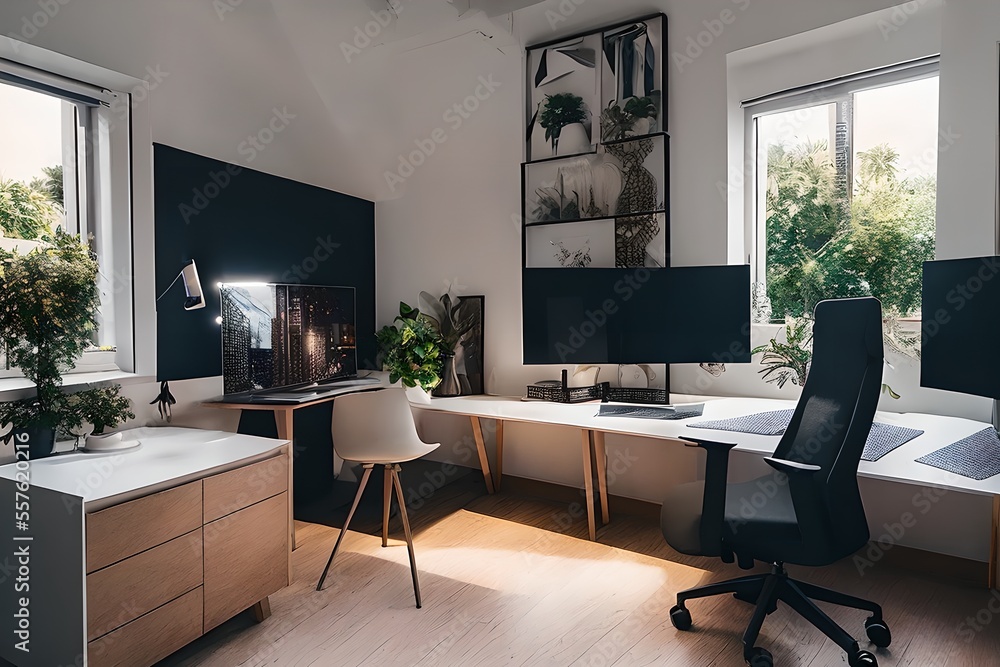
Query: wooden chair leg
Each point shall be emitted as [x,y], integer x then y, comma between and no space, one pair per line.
[406,530]
[343,531]
[386,502]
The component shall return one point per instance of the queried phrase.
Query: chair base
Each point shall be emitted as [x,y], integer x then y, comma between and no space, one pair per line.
[765,590]
[391,481]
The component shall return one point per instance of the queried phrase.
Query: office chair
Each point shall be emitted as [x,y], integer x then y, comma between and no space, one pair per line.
[376,428]
[809,512]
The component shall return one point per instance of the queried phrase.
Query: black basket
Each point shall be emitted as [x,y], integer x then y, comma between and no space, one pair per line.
[559,394]
[638,395]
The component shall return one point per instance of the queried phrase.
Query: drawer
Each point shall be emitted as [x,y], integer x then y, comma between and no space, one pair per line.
[151,638]
[246,558]
[232,491]
[135,586]
[124,530]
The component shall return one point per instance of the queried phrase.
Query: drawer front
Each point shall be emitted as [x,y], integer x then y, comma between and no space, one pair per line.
[124,530]
[246,558]
[150,638]
[232,491]
[135,586]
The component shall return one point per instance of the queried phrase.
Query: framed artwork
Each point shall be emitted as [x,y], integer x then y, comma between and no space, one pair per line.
[470,356]
[581,245]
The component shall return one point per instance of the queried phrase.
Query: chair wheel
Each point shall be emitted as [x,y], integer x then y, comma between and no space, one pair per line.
[681,618]
[878,632]
[758,657]
[862,659]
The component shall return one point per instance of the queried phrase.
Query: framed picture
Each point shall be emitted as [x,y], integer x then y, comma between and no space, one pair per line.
[470,359]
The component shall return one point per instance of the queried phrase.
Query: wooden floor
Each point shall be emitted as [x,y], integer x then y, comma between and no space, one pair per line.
[510,580]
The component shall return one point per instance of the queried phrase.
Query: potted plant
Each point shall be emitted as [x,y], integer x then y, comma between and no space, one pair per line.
[411,352]
[103,408]
[48,303]
[559,111]
[619,122]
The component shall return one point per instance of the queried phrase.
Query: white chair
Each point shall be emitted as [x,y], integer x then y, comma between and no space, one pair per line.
[376,428]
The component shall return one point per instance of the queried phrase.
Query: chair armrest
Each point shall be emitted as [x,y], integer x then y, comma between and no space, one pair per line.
[713,506]
[791,467]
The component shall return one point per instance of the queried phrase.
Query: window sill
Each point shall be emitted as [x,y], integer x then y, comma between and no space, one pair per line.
[12,389]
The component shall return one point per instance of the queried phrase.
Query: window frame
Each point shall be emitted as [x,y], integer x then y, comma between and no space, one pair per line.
[840,92]
[127,206]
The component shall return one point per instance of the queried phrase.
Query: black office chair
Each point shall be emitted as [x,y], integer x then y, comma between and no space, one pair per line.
[809,512]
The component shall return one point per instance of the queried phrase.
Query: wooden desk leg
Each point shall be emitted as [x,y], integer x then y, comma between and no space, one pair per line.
[994,576]
[499,453]
[588,481]
[262,610]
[484,461]
[284,419]
[600,453]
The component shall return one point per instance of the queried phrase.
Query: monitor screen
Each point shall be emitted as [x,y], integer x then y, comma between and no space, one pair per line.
[284,335]
[636,316]
[960,318]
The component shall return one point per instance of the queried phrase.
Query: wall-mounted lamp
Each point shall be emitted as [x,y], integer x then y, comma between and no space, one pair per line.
[192,287]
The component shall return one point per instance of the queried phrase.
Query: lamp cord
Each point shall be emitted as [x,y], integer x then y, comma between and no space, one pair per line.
[169,286]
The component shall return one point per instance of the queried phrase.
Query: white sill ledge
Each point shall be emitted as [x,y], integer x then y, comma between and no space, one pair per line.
[12,389]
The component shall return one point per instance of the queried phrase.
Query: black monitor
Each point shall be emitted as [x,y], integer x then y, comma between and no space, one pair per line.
[636,316]
[960,342]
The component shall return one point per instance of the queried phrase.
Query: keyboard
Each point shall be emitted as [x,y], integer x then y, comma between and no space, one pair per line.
[651,412]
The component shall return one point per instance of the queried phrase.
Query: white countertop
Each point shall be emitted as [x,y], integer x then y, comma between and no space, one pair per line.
[166,457]
[897,466]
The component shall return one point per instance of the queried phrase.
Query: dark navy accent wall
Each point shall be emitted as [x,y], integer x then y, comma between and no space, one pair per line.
[244,225]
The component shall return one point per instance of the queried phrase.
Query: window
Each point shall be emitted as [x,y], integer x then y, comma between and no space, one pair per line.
[64,153]
[844,191]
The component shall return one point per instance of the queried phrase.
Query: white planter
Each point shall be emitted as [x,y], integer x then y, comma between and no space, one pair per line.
[573,139]
[417,395]
[107,442]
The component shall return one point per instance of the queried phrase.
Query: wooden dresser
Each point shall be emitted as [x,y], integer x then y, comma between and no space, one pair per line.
[165,562]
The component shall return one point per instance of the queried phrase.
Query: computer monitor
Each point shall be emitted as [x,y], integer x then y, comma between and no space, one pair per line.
[960,322]
[636,316]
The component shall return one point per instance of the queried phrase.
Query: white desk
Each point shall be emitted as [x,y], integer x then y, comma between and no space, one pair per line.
[898,466]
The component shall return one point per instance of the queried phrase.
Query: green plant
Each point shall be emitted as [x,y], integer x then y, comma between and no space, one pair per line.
[25,212]
[558,111]
[449,317]
[789,360]
[618,121]
[103,408]
[48,304]
[411,349]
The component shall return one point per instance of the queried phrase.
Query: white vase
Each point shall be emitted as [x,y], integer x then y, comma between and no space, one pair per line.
[417,395]
[573,139]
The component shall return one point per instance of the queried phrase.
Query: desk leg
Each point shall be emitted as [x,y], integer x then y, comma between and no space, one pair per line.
[484,461]
[499,453]
[588,481]
[994,576]
[285,421]
[600,453]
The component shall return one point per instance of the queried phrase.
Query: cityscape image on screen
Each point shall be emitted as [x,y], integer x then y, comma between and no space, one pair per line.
[277,335]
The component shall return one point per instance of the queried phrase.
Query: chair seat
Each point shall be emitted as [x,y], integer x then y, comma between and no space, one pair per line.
[758,512]
[385,453]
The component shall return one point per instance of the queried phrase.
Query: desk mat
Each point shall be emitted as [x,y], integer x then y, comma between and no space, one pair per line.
[882,439]
[976,457]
